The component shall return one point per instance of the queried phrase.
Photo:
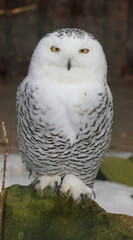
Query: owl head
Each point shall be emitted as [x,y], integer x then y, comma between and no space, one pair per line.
[68,56]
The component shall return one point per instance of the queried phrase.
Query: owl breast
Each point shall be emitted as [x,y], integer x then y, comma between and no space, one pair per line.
[64,130]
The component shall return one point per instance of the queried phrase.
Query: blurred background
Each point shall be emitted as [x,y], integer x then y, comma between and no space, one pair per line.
[24,22]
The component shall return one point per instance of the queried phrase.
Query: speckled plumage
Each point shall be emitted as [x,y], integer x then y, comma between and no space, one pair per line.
[64,118]
[71,32]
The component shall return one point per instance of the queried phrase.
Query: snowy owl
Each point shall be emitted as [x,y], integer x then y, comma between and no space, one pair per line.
[65,112]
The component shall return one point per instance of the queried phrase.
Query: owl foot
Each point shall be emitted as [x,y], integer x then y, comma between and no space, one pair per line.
[73,186]
[48,181]
[58,186]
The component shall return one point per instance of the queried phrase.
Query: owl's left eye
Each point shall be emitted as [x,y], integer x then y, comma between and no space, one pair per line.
[55,49]
[84,50]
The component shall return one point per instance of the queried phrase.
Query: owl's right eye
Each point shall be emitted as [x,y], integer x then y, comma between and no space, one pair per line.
[55,49]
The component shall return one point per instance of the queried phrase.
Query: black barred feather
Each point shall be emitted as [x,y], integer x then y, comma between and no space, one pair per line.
[47,152]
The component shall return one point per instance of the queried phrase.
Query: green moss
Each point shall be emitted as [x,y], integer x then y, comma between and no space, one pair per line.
[117,170]
[131,159]
[31,216]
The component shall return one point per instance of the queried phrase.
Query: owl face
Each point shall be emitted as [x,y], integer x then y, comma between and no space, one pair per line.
[71,56]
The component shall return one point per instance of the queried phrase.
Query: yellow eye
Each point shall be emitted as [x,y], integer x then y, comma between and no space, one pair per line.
[55,49]
[84,50]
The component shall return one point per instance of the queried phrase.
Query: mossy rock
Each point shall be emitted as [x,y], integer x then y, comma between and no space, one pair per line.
[117,170]
[30,216]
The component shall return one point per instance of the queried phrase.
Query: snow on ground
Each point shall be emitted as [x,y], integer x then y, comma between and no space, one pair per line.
[15,172]
[113,197]
[125,155]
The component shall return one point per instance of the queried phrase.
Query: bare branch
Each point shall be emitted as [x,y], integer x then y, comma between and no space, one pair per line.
[18,10]
[4,172]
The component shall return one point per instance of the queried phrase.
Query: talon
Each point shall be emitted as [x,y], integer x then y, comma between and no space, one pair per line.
[67,198]
[94,194]
[81,197]
[62,179]
[30,173]
[57,187]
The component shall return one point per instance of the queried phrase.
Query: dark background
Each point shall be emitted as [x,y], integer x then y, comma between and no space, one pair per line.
[24,22]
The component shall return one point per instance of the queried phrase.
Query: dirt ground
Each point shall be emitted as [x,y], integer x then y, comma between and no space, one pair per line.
[122,137]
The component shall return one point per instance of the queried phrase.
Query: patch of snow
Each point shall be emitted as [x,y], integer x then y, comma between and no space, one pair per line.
[113,197]
[125,155]
[15,171]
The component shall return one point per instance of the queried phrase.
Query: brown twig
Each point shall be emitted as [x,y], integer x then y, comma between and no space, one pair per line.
[4,173]
[17,10]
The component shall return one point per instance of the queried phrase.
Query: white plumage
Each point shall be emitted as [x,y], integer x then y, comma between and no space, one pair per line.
[64,112]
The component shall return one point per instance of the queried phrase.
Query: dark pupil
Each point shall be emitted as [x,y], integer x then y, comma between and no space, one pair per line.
[57,49]
[82,50]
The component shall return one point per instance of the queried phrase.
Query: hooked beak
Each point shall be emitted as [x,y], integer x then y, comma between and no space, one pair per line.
[69,63]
